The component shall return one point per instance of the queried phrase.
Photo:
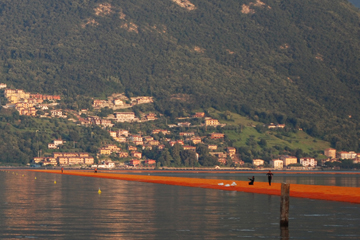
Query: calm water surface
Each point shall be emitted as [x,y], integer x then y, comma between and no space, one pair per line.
[73,209]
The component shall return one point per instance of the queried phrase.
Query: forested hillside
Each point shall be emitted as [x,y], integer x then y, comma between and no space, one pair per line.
[274,60]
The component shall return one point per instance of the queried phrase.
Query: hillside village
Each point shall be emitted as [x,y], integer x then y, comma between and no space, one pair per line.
[133,150]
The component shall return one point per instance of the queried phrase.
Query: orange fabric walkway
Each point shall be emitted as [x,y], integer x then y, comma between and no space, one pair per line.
[332,193]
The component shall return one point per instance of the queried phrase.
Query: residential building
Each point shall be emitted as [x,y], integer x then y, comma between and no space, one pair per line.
[157,131]
[136,154]
[43,107]
[199,115]
[70,154]
[330,152]
[211,122]
[52,146]
[217,135]
[190,148]
[113,134]
[222,161]
[122,132]
[123,154]
[258,162]
[151,117]
[346,155]
[196,140]
[58,154]
[99,103]
[125,116]
[58,142]
[105,151]
[288,160]
[134,162]
[154,143]
[141,100]
[148,138]
[132,148]
[38,159]
[113,148]
[83,154]
[63,160]
[184,124]
[56,113]
[212,147]
[231,151]
[75,160]
[218,154]
[277,164]
[118,102]
[106,164]
[106,123]
[150,162]
[308,162]
[135,138]
[186,134]
[2,85]
[120,139]
[138,143]
[238,161]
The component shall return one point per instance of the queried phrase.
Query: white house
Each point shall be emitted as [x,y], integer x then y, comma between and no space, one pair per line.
[258,162]
[277,163]
[308,162]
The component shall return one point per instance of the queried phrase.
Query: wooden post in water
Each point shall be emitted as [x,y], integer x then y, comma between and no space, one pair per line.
[284,205]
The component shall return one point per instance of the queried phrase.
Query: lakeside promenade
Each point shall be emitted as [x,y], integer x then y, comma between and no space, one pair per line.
[320,192]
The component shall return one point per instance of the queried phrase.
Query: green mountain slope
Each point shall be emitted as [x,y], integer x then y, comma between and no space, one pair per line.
[297,58]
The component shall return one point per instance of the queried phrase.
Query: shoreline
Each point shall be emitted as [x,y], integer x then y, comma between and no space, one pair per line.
[193,171]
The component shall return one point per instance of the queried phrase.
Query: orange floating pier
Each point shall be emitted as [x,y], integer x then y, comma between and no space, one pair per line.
[320,192]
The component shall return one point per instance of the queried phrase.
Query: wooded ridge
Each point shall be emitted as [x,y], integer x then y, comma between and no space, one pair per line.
[293,61]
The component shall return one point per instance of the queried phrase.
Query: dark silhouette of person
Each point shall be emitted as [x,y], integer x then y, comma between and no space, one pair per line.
[251,180]
[269,175]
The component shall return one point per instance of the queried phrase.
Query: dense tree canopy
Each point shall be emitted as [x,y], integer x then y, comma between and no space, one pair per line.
[293,62]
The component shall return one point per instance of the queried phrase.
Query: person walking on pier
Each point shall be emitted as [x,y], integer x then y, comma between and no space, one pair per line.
[269,175]
[62,170]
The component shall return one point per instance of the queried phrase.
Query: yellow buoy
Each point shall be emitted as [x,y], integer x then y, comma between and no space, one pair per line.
[99,191]
[54,182]
[35,177]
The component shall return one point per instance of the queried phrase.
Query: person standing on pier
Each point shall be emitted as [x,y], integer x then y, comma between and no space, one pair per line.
[251,180]
[269,175]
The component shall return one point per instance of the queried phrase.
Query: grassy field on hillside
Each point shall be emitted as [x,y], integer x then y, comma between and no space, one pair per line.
[298,140]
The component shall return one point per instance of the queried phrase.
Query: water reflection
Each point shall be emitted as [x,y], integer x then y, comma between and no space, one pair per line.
[284,233]
[73,209]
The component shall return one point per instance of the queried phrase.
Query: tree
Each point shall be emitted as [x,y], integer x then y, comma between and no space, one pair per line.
[188,158]
[175,153]
[165,158]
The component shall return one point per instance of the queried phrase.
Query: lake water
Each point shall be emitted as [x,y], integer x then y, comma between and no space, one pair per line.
[73,209]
